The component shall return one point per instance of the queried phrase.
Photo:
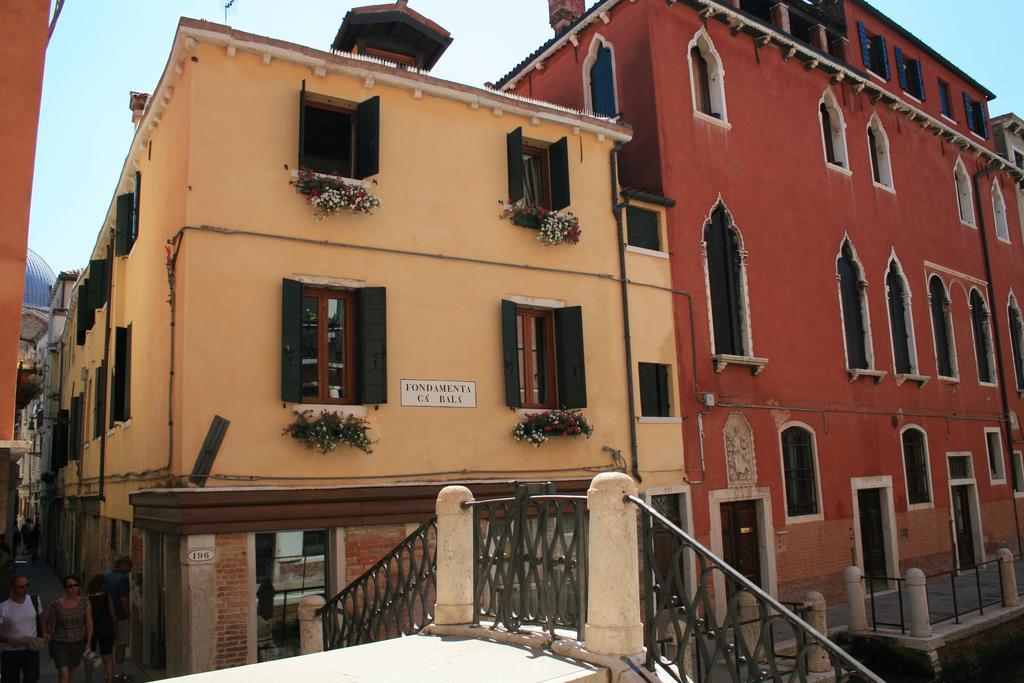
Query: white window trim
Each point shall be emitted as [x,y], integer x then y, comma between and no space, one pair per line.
[820,514]
[989,342]
[659,420]
[992,478]
[716,77]
[1002,226]
[748,335]
[646,252]
[889,525]
[927,465]
[950,336]
[884,155]
[596,43]
[869,352]
[537,302]
[838,133]
[915,367]
[948,118]
[960,175]
[977,533]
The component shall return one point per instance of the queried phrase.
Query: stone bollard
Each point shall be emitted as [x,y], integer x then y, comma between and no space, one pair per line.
[817,657]
[749,617]
[917,604]
[1007,578]
[454,557]
[613,610]
[853,578]
[311,625]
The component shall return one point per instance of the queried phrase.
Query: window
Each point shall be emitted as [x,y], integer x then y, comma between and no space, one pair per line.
[707,77]
[599,79]
[334,345]
[915,461]
[99,401]
[999,212]
[873,51]
[960,467]
[1016,341]
[994,447]
[1018,473]
[900,320]
[982,337]
[75,428]
[643,228]
[654,390]
[121,381]
[909,73]
[798,464]
[726,264]
[127,219]
[975,116]
[289,566]
[537,174]
[833,130]
[543,356]
[338,137]
[963,192]
[878,150]
[945,99]
[942,328]
[853,304]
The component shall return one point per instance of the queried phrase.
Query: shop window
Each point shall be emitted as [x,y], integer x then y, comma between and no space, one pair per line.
[974,111]
[900,320]
[963,192]
[982,337]
[854,308]
[543,356]
[654,390]
[994,448]
[833,130]
[334,345]
[942,328]
[538,174]
[726,266]
[707,77]
[878,150]
[798,459]
[999,213]
[338,137]
[915,463]
[873,51]
[643,228]
[909,73]
[599,74]
[290,565]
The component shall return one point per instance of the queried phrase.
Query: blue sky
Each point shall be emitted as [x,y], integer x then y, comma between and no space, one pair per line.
[103,49]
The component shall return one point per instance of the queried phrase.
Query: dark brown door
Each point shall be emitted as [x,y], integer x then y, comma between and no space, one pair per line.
[872,537]
[740,541]
[962,525]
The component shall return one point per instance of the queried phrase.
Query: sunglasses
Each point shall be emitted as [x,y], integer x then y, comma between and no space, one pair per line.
[72,585]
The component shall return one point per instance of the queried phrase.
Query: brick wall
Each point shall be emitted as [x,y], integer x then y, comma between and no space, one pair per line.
[367,544]
[232,616]
[812,556]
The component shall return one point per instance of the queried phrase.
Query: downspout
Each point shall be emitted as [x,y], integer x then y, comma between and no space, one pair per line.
[624,284]
[172,260]
[996,339]
[106,366]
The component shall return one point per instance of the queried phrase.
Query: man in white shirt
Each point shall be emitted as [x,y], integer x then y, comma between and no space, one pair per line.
[22,619]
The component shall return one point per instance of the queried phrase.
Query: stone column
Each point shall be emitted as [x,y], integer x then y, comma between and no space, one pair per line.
[780,17]
[852,576]
[817,657]
[747,613]
[613,608]
[454,557]
[1007,578]
[191,645]
[917,604]
[311,625]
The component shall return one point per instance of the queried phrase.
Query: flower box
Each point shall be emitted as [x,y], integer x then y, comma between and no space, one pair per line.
[526,221]
[553,227]
[329,195]
[329,430]
[537,428]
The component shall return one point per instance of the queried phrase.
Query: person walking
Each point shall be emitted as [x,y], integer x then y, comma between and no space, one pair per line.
[32,542]
[119,589]
[69,627]
[7,572]
[21,633]
[104,623]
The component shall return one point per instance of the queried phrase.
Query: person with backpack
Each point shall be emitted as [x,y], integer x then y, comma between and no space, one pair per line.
[104,623]
[21,634]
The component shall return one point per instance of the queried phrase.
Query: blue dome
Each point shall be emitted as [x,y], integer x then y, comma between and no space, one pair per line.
[39,279]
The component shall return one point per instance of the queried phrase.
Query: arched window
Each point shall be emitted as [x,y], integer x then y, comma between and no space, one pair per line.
[833,130]
[942,328]
[726,284]
[915,463]
[854,307]
[982,337]
[798,466]
[1016,340]
[878,149]
[707,77]
[900,321]
[599,77]
[999,211]
[963,192]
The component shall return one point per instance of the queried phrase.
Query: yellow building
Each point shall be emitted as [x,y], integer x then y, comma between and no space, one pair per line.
[219,301]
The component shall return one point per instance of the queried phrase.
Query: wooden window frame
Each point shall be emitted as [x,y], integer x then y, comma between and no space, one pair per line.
[545,172]
[323,295]
[701,74]
[524,318]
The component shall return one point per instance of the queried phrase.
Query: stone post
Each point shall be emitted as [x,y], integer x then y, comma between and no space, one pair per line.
[454,557]
[748,614]
[817,657]
[853,578]
[613,608]
[1007,578]
[780,17]
[311,625]
[917,604]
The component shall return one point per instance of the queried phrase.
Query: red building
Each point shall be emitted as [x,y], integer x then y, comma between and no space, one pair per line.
[849,240]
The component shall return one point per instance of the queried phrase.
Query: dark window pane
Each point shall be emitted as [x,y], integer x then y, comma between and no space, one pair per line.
[898,318]
[336,342]
[654,397]
[327,141]
[1015,343]
[798,463]
[979,321]
[540,352]
[533,179]
[917,469]
[940,324]
[310,347]
[701,81]
[725,280]
[826,130]
[642,228]
[853,310]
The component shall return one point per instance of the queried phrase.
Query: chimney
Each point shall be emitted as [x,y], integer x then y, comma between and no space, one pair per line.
[563,13]
[138,105]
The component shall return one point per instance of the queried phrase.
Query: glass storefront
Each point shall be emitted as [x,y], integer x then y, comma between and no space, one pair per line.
[289,566]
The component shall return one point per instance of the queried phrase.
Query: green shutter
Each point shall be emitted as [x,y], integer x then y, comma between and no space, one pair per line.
[124,221]
[126,410]
[372,361]
[368,138]
[122,372]
[302,124]
[291,338]
[99,275]
[81,314]
[570,368]
[514,141]
[59,449]
[558,160]
[100,402]
[74,422]
[136,209]
[510,353]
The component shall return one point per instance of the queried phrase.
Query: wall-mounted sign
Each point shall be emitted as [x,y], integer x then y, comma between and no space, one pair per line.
[438,393]
[201,555]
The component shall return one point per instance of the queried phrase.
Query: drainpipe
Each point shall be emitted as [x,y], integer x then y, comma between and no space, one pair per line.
[996,339]
[172,260]
[106,366]
[624,284]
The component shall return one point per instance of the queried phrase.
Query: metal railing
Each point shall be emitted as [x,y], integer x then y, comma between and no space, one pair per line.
[746,636]
[530,560]
[394,597]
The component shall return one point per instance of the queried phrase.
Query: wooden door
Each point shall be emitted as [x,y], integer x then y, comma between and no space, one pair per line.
[740,539]
[872,534]
[962,525]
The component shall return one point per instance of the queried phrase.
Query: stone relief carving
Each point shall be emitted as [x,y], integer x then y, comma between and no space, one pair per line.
[739,451]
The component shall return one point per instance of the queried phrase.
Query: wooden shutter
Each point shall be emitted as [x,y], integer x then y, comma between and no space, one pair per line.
[302,125]
[99,275]
[969,110]
[100,401]
[853,314]
[120,381]
[371,364]
[291,341]
[570,369]
[59,451]
[74,420]
[901,70]
[898,316]
[558,162]
[137,206]
[884,47]
[510,353]
[127,400]
[368,138]
[865,44]
[123,222]
[515,165]
[979,119]
[920,80]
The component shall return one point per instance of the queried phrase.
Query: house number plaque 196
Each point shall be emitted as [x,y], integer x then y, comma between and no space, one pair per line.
[201,555]
[438,393]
